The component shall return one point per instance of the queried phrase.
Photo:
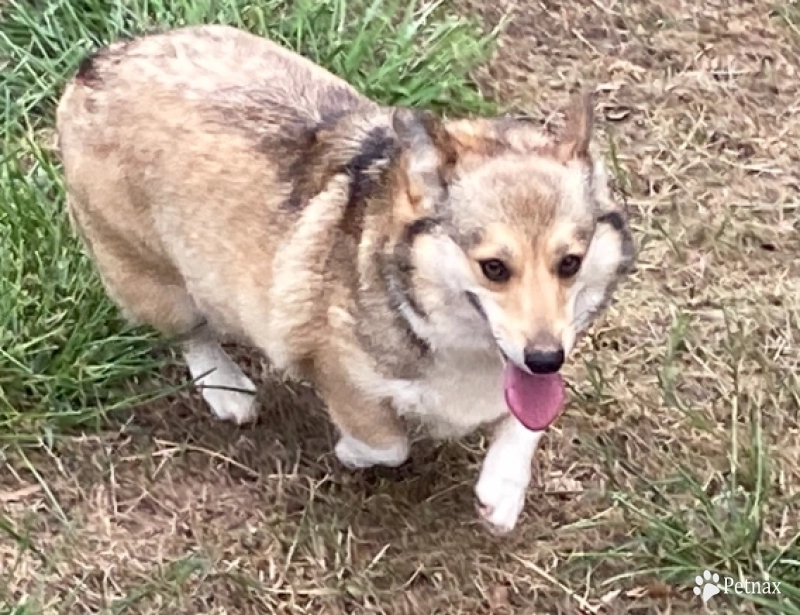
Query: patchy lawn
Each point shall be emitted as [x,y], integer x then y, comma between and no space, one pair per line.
[680,451]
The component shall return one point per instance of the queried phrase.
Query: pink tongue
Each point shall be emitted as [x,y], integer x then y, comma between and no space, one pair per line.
[535,400]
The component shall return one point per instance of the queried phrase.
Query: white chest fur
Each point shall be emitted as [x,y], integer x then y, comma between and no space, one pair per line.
[458,394]
[461,393]
[464,387]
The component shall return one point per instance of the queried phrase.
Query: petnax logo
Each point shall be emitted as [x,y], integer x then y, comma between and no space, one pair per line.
[710,584]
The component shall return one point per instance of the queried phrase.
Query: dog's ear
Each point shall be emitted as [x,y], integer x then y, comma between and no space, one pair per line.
[428,158]
[577,135]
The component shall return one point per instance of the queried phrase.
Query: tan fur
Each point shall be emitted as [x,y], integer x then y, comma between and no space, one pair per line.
[225,184]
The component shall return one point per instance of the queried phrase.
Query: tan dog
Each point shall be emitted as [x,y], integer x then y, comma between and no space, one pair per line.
[404,264]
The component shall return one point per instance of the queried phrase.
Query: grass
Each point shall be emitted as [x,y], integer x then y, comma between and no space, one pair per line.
[680,451]
[66,357]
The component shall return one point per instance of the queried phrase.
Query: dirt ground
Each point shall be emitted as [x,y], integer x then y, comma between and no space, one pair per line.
[172,512]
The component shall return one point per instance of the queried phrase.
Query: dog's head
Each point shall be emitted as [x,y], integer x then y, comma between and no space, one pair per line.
[524,227]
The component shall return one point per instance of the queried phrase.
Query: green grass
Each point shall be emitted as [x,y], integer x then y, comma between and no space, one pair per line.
[683,519]
[66,357]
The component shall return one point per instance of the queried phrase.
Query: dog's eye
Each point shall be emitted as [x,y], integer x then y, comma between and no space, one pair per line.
[569,266]
[495,270]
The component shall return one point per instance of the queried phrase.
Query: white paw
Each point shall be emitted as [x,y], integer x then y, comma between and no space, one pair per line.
[505,475]
[355,454]
[500,502]
[222,383]
[228,404]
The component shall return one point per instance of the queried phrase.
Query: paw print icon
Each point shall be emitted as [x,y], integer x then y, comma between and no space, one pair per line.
[706,585]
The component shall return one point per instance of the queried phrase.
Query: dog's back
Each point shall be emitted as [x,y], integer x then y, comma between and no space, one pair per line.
[223,65]
[169,139]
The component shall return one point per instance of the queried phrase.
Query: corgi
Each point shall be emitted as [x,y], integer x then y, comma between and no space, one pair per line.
[406,265]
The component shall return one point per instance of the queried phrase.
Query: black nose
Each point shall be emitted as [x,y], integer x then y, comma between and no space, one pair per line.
[544,361]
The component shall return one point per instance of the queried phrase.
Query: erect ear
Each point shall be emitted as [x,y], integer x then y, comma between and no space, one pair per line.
[577,135]
[428,158]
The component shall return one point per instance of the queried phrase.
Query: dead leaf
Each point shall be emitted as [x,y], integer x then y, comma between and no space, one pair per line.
[498,599]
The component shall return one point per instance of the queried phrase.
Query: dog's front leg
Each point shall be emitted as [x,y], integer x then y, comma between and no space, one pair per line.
[371,431]
[506,474]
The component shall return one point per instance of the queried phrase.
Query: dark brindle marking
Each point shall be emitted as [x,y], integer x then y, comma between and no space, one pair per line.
[87,69]
[396,298]
[401,267]
[616,220]
[476,303]
[310,167]
[304,148]
[377,147]
[91,68]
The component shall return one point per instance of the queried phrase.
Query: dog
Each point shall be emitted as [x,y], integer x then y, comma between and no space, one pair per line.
[407,265]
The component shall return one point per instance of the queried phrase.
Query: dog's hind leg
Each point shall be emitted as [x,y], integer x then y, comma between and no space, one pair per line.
[149,290]
[224,386]
[147,297]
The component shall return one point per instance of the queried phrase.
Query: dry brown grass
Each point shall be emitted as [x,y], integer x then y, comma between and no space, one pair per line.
[694,369]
